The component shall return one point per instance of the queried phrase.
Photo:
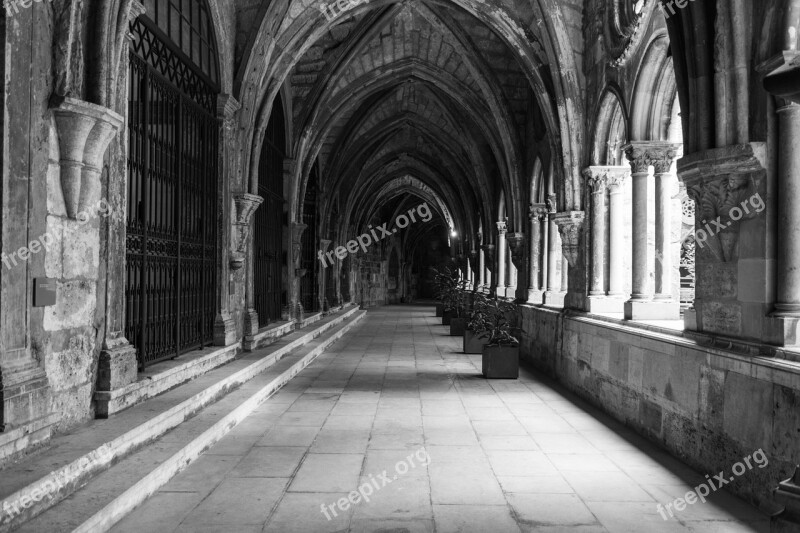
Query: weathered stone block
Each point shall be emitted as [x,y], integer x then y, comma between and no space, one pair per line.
[747,400]
[75,306]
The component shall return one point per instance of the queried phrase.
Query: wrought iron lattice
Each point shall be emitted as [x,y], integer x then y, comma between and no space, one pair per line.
[171,212]
[268,248]
[309,295]
[687,272]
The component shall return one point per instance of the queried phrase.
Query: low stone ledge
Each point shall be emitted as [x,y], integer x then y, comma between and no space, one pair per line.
[268,335]
[150,385]
[316,317]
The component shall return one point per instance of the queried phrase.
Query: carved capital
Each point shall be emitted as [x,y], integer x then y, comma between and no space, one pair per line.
[570,225]
[538,212]
[610,177]
[502,227]
[643,155]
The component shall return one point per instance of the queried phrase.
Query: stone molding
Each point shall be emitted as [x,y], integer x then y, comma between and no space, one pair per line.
[644,154]
[570,224]
[84,132]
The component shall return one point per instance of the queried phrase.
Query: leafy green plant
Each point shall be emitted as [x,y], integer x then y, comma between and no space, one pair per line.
[489,317]
[450,290]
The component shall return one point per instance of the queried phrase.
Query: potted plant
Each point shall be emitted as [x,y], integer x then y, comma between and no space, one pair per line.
[501,353]
[446,282]
[476,335]
[458,320]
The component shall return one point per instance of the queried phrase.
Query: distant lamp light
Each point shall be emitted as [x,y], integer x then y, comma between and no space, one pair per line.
[453,233]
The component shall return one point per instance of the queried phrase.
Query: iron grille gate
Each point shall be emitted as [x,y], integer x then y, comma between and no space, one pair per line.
[310,263]
[268,256]
[172,185]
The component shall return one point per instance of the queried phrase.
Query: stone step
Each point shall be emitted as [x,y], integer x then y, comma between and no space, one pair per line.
[218,399]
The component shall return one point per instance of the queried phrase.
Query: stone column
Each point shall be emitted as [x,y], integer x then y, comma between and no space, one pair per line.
[502,228]
[516,244]
[322,289]
[536,214]
[643,155]
[554,295]
[787,303]
[488,250]
[616,251]
[596,180]
[481,262]
[664,269]
[600,179]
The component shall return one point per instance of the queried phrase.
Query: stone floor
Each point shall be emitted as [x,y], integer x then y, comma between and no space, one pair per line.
[397,406]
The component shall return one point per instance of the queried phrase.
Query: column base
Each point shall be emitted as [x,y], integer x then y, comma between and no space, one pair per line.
[224,330]
[690,319]
[250,323]
[782,330]
[117,369]
[650,310]
[554,299]
[535,296]
[27,421]
[605,304]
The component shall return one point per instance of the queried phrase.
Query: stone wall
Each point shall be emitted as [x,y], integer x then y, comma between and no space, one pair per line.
[707,406]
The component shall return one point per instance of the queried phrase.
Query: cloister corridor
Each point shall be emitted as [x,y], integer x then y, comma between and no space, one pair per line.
[504,456]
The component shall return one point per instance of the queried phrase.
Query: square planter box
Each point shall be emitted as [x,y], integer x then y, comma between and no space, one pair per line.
[446,317]
[473,343]
[439,309]
[458,326]
[500,362]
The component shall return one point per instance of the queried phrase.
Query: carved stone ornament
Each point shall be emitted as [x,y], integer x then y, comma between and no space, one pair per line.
[245,205]
[624,26]
[570,225]
[643,155]
[725,184]
[538,212]
[84,133]
[516,242]
[502,227]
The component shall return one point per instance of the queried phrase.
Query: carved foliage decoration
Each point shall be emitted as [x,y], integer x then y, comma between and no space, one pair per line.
[656,154]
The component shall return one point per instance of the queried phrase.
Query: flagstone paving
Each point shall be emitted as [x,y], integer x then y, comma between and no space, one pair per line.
[396,409]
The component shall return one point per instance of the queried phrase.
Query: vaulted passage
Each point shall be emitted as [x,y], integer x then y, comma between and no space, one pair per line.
[229,227]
